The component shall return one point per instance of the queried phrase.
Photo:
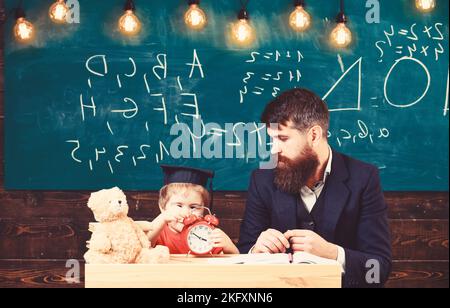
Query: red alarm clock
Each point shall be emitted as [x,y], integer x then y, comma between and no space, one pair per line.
[197,232]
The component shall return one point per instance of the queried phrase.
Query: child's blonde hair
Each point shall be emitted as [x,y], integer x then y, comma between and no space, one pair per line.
[166,192]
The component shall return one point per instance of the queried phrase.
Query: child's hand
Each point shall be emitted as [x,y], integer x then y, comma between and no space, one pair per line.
[220,239]
[173,214]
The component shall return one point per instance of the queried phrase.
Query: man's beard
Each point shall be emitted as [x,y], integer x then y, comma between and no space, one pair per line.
[292,174]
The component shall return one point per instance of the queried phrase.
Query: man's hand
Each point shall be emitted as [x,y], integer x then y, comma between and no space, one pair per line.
[272,241]
[311,242]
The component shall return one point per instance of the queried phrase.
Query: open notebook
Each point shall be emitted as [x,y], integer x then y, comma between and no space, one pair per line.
[276,258]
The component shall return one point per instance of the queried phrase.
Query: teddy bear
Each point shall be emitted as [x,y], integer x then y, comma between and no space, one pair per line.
[116,238]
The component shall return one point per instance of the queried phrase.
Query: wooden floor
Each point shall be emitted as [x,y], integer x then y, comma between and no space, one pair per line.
[39,231]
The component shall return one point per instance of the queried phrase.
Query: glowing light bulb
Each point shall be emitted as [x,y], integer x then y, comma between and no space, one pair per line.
[129,23]
[299,20]
[58,11]
[341,36]
[242,32]
[425,5]
[23,30]
[195,17]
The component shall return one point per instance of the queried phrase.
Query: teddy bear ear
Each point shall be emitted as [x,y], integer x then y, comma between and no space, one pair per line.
[116,189]
[93,199]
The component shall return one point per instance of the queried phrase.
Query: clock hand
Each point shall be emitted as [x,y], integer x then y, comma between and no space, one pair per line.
[200,238]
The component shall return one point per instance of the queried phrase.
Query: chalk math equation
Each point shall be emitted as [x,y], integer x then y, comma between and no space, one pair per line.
[415,46]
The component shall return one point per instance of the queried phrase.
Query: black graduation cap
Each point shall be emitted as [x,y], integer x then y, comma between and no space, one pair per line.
[182,174]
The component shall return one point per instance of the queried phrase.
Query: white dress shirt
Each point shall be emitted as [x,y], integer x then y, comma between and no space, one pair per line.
[310,197]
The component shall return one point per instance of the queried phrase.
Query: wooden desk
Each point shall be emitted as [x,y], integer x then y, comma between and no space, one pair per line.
[195,272]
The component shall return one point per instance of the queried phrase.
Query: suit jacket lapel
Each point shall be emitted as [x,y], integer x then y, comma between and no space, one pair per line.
[336,195]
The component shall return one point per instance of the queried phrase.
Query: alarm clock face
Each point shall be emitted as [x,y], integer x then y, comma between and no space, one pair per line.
[198,239]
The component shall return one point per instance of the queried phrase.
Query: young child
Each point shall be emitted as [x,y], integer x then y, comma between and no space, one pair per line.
[184,194]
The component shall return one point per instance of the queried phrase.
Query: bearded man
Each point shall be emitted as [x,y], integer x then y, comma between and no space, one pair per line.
[316,200]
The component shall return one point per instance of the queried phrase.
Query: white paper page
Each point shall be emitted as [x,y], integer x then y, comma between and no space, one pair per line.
[254,258]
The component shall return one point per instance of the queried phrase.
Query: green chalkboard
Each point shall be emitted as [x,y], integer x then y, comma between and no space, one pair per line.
[388,92]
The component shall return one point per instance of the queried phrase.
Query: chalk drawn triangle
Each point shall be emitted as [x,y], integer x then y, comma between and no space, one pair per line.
[344,100]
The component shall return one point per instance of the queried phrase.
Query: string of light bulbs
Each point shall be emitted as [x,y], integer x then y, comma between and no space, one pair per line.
[300,20]
[195,18]
[129,23]
[341,36]
[242,31]
[23,29]
[425,5]
[58,12]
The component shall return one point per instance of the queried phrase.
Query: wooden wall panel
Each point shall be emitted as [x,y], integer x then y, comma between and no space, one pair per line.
[419,274]
[63,238]
[37,274]
[16,204]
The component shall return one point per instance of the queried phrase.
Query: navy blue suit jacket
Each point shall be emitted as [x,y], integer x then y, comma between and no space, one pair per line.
[355,216]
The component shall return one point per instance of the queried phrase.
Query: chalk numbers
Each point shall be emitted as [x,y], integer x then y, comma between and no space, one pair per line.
[110,157]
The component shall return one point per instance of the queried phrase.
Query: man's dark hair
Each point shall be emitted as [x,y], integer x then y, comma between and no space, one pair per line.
[304,108]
